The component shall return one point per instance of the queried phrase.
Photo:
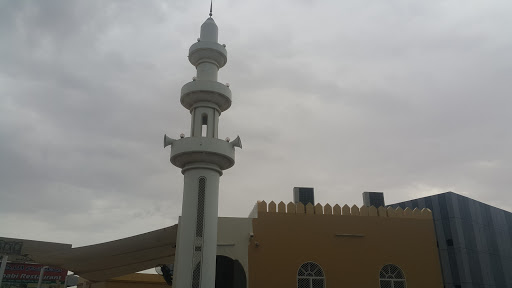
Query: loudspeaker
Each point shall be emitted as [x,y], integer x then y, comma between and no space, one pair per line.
[167,140]
[237,142]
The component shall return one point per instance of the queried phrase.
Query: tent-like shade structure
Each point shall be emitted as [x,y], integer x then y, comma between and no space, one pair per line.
[107,260]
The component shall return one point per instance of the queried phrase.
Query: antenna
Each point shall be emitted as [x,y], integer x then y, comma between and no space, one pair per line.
[211,6]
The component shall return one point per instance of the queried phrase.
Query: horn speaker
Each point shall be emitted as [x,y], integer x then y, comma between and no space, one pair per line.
[168,141]
[237,142]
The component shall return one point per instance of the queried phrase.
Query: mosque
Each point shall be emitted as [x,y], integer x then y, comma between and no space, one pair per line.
[445,240]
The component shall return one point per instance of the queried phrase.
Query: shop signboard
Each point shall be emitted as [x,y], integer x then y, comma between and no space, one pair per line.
[22,275]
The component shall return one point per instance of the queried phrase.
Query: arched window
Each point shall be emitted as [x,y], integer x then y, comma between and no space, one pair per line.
[204,125]
[391,276]
[310,275]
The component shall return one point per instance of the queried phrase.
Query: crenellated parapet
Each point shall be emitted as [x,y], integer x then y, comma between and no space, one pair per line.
[291,208]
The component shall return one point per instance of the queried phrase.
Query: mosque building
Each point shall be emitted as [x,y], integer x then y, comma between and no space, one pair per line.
[318,241]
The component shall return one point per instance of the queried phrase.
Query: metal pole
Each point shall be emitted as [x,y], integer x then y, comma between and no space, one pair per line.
[2,268]
[41,274]
[66,281]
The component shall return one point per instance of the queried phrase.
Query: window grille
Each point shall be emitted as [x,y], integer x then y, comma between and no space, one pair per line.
[200,207]
[310,275]
[391,276]
[196,276]
[197,255]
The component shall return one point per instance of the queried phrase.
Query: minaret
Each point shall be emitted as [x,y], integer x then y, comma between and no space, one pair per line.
[201,157]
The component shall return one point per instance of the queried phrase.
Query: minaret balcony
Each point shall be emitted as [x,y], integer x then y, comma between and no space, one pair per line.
[206,91]
[208,51]
[191,150]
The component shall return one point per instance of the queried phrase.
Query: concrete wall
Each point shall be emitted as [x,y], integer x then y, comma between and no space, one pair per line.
[350,245]
[233,239]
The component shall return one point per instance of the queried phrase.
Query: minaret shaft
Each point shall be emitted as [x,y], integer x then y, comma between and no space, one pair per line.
[207,71]
[202,157]
[197,239]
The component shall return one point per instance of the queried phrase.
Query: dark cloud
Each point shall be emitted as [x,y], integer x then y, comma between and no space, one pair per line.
[406,98]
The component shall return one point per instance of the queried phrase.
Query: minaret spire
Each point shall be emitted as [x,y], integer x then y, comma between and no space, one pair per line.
[202,157]
[211,6]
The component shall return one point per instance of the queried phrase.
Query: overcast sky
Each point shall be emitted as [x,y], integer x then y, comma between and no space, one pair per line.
[411,98]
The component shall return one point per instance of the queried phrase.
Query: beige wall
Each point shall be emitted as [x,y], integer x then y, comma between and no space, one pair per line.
[135,280]
[283,241]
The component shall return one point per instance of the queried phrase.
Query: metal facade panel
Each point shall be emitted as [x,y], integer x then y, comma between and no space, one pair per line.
[481,255]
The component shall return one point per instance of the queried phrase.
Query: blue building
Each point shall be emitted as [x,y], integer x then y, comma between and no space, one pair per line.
[474,240]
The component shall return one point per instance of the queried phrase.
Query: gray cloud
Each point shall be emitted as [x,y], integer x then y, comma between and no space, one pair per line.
[406,98]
